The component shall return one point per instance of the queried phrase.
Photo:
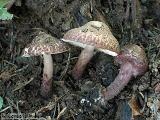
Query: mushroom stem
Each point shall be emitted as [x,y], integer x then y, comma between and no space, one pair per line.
[46,85]
[85,56]
[122,79]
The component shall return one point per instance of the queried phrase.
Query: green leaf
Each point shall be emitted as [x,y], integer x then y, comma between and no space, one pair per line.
[4,15]
[3,3]
[1,102]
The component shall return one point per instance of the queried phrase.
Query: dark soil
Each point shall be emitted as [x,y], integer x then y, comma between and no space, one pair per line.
[20,78]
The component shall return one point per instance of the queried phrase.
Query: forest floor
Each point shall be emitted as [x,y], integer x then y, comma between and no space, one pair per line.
[131,22]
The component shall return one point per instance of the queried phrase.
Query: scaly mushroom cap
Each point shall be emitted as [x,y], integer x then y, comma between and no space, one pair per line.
[136,56]
[44,43]
[96,34]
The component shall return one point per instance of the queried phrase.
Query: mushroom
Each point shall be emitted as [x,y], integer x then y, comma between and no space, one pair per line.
[133,62]
[92,35]
[45,44]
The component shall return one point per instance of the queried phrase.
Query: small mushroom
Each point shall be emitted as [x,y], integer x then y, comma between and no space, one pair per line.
[45,44]
[92,35]
[133,62]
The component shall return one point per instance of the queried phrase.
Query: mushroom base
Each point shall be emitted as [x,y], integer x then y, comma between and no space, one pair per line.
[46,88]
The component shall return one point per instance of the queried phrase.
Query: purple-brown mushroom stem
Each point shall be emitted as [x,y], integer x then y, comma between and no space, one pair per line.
[119,83]
[84,58]
[46,86]
[133,63]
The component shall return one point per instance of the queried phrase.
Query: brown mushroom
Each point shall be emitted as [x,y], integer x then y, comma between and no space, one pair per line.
[92,35]
[45,44]
[133,63]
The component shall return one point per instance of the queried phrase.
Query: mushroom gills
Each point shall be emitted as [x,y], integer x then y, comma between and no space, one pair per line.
[78,44]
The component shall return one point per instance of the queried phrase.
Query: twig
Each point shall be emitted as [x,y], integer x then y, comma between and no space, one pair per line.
[61,113]
[8,107]
[51,105]
[22,85]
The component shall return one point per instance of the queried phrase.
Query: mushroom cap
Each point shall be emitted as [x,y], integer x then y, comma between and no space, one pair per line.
[135,55]
[44,43]
[93,33]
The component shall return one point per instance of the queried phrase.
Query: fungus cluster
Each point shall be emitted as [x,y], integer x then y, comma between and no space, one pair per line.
[97,35]
[45,44]
[94,35]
